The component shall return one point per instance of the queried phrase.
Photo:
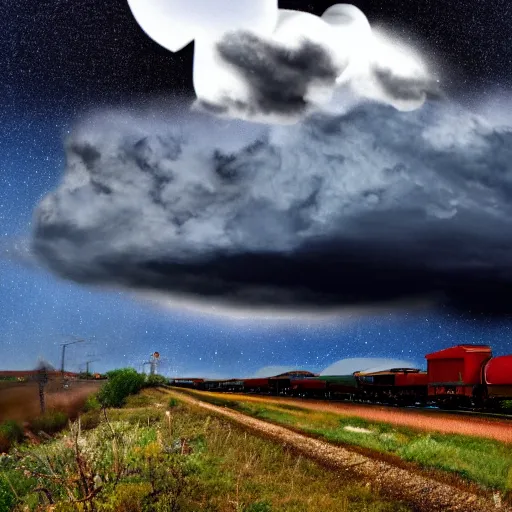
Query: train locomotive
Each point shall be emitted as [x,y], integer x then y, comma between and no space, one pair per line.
[461,376]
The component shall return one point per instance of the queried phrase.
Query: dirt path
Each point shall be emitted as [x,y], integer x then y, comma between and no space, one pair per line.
[422,492]
[490,428]
[20,401]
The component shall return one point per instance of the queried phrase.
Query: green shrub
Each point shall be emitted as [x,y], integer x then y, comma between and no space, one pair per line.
[506,404]
[130,497]
[173,402]
[155,381]
[120,384]
[12,431]
[50,422]
[92,404]
[7,498]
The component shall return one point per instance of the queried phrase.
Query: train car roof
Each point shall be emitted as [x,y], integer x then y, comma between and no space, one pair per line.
[459,351]
[391,371]
[294,373]
[223,380]
[186,379]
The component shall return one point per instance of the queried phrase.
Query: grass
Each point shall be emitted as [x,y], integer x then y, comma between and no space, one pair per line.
[484,461]
[10,432]
[50,422]
[169,456]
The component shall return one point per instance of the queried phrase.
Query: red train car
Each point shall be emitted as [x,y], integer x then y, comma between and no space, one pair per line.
[257,385]
[187,383]
[455,374]
[308,387]
[498,378]
[404,386]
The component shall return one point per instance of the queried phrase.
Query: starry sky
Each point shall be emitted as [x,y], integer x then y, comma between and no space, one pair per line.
[62,58]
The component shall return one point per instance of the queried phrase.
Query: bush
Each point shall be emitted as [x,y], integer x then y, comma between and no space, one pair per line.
[120,384]
[506,404]
[12,431]
[173,402]
[130,497]
[154,381]
[92,404]
[50,422]
[7,498]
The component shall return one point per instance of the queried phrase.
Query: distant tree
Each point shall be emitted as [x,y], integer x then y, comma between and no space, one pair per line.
[154,381]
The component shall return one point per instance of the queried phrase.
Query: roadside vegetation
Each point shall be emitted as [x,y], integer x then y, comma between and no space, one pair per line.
[484,461]
[160,454]
[114,393]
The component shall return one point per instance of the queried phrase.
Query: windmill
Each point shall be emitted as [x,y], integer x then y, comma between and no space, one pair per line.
[153,362]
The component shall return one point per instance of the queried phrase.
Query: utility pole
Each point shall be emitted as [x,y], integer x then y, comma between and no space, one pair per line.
[42,380]
[63,356]
[87,363]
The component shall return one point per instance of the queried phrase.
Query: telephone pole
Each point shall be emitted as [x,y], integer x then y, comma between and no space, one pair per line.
[63,356]
[87,363]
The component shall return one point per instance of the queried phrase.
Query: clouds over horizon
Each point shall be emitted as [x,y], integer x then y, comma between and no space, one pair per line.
[367,206]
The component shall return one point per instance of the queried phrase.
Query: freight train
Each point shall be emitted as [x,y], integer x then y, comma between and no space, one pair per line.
[460,376]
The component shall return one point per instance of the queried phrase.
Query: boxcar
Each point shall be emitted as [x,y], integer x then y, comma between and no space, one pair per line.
[403,386]
[313,387]
[455,374]
[340,386]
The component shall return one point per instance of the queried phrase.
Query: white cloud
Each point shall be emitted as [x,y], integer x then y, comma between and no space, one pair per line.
[365,364]
[255,61]
[272,371]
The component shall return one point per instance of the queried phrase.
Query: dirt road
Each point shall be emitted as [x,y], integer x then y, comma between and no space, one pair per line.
[20,401]
[468,425]
[418,488]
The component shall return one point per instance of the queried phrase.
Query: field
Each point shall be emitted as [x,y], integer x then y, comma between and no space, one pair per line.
[162,454]
[171,450]
[20,400]
[483,461]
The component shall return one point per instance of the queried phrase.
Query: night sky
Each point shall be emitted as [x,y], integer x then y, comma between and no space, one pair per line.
[63,58]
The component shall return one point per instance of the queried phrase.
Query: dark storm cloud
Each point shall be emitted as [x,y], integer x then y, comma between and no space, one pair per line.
[404,88]
[369,206]
[279,78]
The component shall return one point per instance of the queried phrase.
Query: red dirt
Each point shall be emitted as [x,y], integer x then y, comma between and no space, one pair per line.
[20,401]
[490,428]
